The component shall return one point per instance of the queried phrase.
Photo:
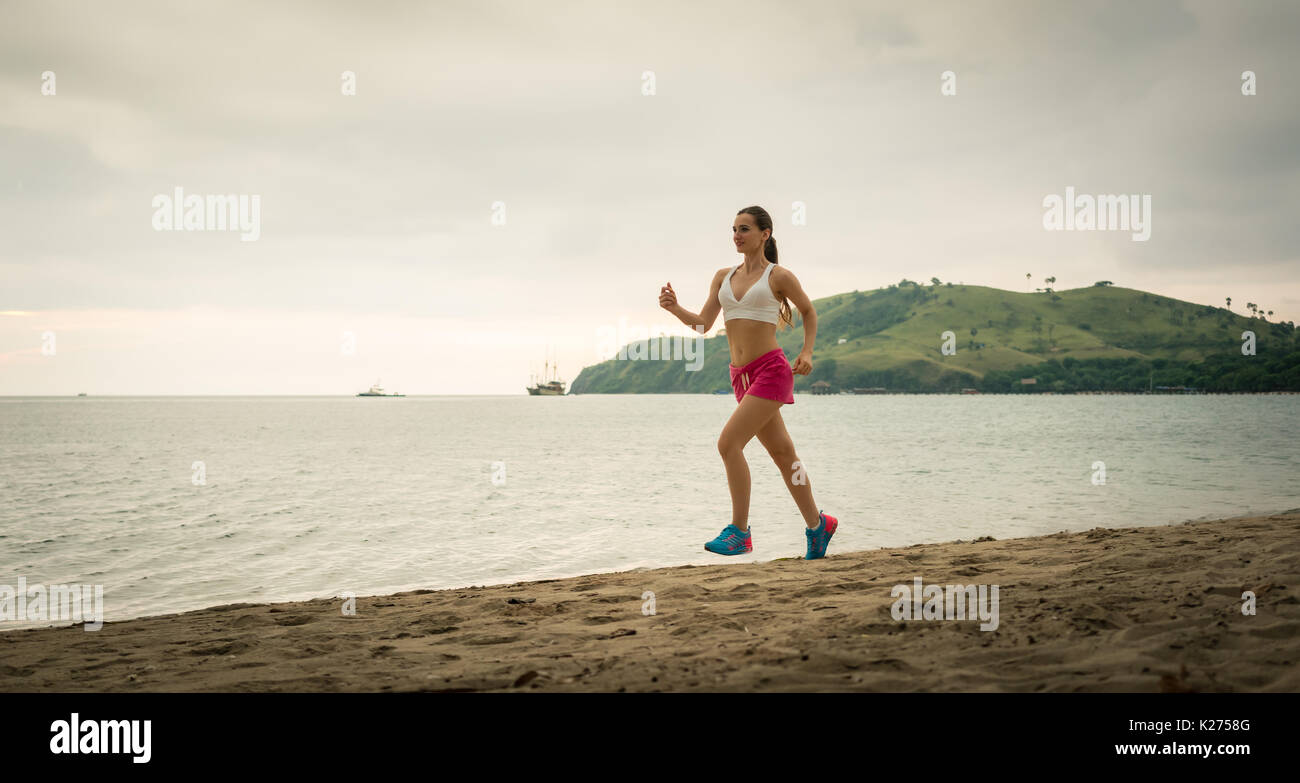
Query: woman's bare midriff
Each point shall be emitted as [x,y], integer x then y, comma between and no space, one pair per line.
[748,339]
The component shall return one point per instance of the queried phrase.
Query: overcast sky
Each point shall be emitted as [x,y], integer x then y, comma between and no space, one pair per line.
[376,209]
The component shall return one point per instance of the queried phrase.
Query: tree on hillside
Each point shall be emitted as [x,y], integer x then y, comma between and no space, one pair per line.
[824,371]
[1230,303]
[1037,328]
[934,280]
[1027,276]
[1103,283]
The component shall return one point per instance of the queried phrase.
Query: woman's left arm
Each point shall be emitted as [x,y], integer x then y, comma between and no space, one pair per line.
[787,285]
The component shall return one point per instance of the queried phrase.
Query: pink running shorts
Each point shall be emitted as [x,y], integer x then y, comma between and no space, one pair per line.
[769,376]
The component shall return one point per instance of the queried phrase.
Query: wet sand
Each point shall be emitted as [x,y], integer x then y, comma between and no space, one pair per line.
[1139,609]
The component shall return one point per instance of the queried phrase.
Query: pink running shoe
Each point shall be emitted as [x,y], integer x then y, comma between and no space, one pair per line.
[820,538]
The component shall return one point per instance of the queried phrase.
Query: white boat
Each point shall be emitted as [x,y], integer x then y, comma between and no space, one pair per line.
[378,391]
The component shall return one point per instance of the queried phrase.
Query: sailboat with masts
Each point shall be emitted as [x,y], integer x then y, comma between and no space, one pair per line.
[549,387]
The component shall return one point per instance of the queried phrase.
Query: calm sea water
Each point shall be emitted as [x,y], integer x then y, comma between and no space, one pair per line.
[311,497]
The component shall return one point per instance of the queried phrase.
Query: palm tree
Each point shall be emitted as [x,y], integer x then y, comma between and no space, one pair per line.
[1027,276]
[1230,303]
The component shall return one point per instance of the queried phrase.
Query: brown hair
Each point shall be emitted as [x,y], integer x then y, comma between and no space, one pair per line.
[764,222]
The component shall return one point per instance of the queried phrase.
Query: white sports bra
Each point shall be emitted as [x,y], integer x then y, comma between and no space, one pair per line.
[758,304]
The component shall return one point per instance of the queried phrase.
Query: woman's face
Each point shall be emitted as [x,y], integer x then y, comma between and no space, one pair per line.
[746,234]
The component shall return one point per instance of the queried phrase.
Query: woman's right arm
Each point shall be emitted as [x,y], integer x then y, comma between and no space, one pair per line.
[707,315]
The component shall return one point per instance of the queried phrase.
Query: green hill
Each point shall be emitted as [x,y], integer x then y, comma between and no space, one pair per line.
[1100,338]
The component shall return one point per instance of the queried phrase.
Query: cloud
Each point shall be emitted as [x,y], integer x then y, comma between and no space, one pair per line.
[381,203]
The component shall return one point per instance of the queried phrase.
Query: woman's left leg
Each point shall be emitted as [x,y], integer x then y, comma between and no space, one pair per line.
[776,440]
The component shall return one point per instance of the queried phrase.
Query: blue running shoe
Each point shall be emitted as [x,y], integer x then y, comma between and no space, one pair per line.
[731,541]
[820,538]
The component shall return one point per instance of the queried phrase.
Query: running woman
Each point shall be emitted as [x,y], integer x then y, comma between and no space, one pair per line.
[753,297]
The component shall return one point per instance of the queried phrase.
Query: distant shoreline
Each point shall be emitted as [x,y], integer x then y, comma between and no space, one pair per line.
[637,394]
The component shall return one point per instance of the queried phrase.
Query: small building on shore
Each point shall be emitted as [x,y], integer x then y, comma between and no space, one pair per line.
[821,387]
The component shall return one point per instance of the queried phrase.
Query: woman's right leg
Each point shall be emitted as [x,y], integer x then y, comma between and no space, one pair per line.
[750,416]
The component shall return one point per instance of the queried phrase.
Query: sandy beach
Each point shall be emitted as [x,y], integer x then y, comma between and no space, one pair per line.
[1144,609]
